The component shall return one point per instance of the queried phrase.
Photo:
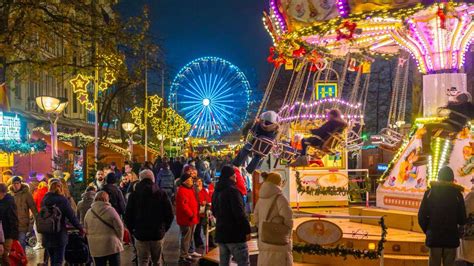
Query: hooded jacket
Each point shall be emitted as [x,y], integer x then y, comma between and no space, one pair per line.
[116,198]
[39,193]
[149,213]
[103,240]
[24,204]
[186,206]
[84,205]
[232,225]
[273,254]
[441,212]
[9,217]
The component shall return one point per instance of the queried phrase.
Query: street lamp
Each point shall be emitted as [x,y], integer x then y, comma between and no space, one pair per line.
[53,107]
[130,128]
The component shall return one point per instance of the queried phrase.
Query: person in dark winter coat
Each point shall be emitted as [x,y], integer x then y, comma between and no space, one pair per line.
[9,219]
[165,180]
[232,225]
[85,204]
[266,127]
[441,212]
[55,243]
[116,198]
[148,217]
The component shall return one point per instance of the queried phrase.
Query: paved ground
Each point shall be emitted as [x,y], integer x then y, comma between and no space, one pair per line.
[170,251]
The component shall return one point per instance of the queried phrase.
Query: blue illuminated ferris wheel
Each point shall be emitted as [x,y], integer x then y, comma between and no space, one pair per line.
[213,95]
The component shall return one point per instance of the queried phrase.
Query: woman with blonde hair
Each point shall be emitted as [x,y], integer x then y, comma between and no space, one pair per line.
[104,231]
[272,206]
[55,243]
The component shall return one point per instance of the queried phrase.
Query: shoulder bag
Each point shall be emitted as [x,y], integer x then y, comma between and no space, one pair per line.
[275,233]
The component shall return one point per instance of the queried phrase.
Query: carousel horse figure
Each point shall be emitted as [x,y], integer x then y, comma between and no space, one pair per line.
[261,141]
[459,112]
[324,138]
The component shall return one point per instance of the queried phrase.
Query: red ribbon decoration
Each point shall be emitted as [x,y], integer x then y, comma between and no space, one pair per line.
[442,17]
[299,52]
[278,61]
[346,30]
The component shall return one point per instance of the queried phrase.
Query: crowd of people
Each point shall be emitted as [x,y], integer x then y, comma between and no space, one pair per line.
[133,206]
[137,207]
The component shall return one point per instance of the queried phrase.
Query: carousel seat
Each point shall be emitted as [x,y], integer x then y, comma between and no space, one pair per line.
[354,142]
[284,151]
[333,144]
[261,145]
[390,137]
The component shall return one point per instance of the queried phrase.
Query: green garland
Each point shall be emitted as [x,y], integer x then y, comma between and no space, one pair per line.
[341,251]
[327,191]
[13,146]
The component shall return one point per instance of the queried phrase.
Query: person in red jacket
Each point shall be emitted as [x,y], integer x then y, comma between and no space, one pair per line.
[39,193]
[240,182]
[204,203]
[187,215]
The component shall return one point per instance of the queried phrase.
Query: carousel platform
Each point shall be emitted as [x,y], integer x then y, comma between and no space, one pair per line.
[393,219]
[404,247]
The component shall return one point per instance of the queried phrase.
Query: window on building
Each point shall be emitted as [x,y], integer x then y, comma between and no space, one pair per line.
[17,88]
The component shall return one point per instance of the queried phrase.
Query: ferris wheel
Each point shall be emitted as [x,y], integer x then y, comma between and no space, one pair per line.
[213,95]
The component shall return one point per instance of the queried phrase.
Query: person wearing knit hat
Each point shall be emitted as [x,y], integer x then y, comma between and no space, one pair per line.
[441,212]
[446,174]
[148,217]
[232,225]
[265,128]
[187,215]
[270,194]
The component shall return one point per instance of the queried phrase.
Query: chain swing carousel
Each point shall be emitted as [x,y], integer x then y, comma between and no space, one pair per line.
[308,36]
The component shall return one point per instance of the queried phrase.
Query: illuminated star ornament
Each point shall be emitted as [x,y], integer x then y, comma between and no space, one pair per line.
[81,83]
[137,113]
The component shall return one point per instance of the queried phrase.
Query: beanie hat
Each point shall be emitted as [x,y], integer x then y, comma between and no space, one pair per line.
[272,177]
[16,179]
[446,174]
[184,177]
[227,171]
[269,116]
[110,178]
[146,174]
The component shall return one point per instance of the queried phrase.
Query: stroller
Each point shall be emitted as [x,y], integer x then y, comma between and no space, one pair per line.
[77,250]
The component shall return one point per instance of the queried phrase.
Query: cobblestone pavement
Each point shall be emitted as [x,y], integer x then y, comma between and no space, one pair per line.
[170,251]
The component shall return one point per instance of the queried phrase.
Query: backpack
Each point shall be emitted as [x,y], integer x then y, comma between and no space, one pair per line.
[48,220]
[77,250]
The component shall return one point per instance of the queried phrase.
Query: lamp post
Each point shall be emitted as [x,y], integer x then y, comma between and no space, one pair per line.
[53,107]
[130,128]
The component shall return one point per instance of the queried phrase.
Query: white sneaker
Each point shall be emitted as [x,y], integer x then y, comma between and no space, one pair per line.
[195,254]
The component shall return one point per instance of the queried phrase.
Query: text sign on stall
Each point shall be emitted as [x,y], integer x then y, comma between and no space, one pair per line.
[11,127]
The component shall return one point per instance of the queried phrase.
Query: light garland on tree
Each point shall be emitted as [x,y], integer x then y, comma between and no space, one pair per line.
[81,136]
[137,113]
[80,84]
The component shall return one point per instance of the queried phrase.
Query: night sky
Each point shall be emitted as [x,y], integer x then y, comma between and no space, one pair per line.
[188,29]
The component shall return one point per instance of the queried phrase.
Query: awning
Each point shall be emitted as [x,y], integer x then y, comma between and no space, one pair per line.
[62,146]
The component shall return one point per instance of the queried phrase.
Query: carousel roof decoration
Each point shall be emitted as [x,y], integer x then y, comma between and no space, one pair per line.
[436,34]
[317,110]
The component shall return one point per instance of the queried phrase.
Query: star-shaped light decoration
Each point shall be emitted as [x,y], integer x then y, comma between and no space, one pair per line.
[79,83]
